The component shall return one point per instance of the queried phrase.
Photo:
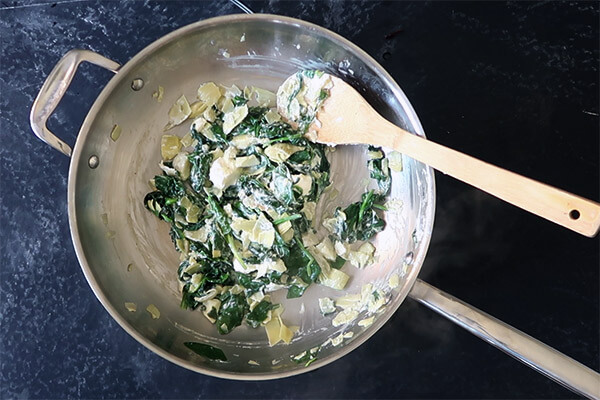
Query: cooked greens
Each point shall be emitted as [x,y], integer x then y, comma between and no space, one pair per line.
[206,350]
[239,192]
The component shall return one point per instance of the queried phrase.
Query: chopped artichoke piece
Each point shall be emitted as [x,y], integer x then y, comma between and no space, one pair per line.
[158,94]
[153,310]
[309,210]
[336,341]
[279,152]
[179,112]
[395,161]
[304,182]
[198,108]
[209,94]
[344,317]
[265,98]
[326,305]
[223,171]
[210,306]
[182,165]
[272,116]
[115,133]
[366,322]
[363,256]
[309,239]
[233,119]
[244,141]
[247,161]
[131,307]
[187,140]
[334,278]
[326,249]
[170,146]
[394,281]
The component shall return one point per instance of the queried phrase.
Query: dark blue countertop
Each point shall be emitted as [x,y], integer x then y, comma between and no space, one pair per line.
[514,84]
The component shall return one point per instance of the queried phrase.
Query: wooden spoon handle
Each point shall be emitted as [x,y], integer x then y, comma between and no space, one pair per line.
[566,209]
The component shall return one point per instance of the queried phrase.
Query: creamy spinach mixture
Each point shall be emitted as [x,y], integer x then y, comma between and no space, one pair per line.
[239,192]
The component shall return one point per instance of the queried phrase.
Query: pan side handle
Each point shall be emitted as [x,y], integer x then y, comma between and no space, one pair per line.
[55,87]
[537,355]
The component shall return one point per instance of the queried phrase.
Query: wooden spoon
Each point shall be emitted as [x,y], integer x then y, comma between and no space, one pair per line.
[346,118]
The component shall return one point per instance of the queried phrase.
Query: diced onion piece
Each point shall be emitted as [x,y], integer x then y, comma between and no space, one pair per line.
[169,146]
[131,307]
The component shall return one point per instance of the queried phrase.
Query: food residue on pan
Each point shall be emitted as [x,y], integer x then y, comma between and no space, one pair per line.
[239,192]
[158,94]
[115,133]
[153,310]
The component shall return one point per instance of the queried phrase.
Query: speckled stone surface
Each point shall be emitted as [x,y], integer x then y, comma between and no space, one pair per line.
[514,84]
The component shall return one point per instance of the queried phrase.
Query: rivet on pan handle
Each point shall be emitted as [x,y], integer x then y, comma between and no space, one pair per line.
[55,87]
[537,355]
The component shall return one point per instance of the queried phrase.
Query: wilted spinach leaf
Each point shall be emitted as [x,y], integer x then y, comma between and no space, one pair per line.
[206,350]
[232,311]
[260,313]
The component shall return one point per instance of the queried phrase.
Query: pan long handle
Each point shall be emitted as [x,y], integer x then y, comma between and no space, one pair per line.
[543,358]
[55,87]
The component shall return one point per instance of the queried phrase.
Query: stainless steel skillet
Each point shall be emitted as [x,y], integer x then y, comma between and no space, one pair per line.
[126,256]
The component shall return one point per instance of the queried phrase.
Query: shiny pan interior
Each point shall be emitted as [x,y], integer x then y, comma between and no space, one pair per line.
[126,252]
